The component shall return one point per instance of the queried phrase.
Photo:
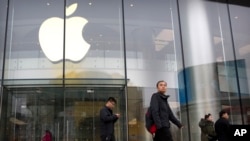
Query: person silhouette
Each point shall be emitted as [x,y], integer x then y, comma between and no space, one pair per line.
[47,136]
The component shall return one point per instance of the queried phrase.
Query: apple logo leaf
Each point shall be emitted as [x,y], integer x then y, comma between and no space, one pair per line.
[71,9]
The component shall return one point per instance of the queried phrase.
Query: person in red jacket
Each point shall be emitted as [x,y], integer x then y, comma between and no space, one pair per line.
[47,136]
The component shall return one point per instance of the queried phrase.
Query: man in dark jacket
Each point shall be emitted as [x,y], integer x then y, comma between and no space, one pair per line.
[162,113]
[108,120]
[222,126]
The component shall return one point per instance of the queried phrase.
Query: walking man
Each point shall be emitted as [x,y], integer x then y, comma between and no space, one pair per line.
[222,126]
[162,113]
[108,120]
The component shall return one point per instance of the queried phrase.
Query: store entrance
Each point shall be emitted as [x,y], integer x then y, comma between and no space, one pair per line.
[70,114]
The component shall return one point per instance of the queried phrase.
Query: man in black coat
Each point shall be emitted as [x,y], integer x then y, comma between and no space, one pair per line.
[107,120]
[162,113]
[222,126]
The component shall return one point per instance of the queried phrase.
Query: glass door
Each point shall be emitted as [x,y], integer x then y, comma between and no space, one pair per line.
[68,114]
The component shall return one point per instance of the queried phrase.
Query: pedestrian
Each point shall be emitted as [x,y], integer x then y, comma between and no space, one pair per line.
[162,113]
[207,128]
[222,126]
[47,136]
[107,120]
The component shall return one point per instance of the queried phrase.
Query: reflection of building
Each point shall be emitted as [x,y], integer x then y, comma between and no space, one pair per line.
[200,47]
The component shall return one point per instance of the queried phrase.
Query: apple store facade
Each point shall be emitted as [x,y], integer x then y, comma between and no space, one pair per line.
[61,59]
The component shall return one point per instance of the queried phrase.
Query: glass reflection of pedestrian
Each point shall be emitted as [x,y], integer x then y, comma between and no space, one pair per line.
[47,136]
[207,128]
[222,126]
[108,120]
[162,113]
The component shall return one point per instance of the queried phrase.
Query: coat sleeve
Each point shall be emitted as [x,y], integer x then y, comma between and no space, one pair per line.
[154,104]
[210,129]
[172,118]
[106,116]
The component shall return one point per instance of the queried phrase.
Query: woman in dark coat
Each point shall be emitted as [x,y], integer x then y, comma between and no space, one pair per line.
[207,128]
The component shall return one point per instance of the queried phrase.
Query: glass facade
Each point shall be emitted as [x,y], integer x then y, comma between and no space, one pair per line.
[60,60]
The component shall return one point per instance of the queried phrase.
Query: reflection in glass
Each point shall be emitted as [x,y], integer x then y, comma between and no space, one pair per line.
[69,114]
[241,33]
[102,54]
[24,55]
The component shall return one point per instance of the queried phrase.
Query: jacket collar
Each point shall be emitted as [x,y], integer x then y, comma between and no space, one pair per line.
[163,95]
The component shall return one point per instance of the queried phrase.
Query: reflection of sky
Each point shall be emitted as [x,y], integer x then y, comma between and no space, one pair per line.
[199,39]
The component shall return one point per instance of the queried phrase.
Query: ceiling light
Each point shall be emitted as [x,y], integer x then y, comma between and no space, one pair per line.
[23,106]
[90,91]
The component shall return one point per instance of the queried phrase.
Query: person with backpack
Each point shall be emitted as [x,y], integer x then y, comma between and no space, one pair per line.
[162,113]
[150,125]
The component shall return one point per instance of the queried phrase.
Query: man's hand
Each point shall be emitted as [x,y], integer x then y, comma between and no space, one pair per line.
[118,115]
[153,135]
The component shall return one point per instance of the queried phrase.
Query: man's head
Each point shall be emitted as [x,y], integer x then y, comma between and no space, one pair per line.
[111,102]
[224,114]
[161,86]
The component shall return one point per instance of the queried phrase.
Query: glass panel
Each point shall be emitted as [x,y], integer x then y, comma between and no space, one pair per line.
[69,114]
[210,70]
[31,111]
[58,82]
[95,49]
[3,14]
[32,82]
[241,32]
[82,108]
[96,82]
[28,41]
[3,115]
[153,53]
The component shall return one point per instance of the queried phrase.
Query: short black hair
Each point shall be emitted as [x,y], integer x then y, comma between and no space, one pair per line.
[111,99]
[222,112]
[160,82]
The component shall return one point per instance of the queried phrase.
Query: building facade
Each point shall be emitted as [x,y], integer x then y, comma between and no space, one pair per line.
[61,59]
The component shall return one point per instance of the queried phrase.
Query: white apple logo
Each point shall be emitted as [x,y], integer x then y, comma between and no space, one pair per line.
[51,37]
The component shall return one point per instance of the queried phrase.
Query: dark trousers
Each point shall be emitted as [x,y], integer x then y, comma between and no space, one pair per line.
[108,138]
[163,134]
